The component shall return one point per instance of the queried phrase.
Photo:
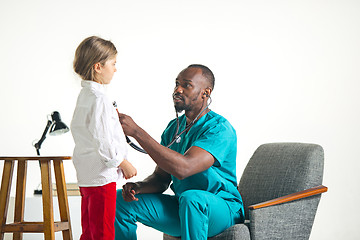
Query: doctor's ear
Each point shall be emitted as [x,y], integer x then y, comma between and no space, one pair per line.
[207,92]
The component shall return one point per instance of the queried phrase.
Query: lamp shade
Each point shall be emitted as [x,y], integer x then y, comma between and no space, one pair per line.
[58,127]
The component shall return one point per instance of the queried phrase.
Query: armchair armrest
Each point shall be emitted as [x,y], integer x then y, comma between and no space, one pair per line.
[291,197]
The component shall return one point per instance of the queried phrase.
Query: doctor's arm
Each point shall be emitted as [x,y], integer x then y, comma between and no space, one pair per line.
[195,160]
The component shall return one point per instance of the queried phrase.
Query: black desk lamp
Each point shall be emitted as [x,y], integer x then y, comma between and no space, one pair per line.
[57,127]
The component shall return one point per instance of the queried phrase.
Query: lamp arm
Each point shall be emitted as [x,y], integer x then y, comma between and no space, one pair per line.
[38,144]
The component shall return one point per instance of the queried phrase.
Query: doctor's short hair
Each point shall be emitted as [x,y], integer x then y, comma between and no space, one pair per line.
[206,72]
[90,51]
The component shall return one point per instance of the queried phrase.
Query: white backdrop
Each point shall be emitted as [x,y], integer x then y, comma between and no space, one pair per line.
[285,71]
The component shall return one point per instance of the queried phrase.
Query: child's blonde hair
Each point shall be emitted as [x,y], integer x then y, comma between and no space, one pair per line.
[91,51]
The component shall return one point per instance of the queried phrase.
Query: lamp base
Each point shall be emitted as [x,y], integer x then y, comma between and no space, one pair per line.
[37,192]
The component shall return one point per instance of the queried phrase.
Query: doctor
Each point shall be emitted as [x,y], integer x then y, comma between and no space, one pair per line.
[199,167]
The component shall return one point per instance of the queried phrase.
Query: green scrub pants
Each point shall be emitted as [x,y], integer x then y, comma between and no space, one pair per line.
[195,215]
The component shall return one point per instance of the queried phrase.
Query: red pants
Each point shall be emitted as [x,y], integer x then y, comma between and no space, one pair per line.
[98,212]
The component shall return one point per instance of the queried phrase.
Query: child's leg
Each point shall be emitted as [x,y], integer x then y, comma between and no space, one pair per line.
[101,208]
[84,215]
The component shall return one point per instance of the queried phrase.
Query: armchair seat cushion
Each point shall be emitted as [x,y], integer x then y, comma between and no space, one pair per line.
[236,232]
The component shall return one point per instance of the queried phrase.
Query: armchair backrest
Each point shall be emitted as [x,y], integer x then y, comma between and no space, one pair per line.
[278,169]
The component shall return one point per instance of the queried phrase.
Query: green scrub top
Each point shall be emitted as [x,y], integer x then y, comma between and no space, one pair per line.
[214,134]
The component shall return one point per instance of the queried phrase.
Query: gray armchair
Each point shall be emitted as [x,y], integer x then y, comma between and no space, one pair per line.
[281,189]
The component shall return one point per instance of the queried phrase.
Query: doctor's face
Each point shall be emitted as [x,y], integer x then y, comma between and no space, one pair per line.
[189,86]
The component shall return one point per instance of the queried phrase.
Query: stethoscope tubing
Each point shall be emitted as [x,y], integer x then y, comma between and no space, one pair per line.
[176,135]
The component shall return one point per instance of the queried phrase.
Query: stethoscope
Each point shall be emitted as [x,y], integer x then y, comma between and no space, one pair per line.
[177,135]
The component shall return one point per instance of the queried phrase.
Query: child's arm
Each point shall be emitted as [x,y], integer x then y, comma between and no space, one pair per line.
[128,169]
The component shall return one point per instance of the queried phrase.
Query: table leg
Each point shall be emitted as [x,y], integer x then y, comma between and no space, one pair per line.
[47,198]
[5,193]
[62,198]
[20,196]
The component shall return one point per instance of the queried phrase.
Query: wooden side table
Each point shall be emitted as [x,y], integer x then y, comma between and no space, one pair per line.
[48,226]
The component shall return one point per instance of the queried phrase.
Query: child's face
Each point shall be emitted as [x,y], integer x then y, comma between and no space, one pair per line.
[108,70]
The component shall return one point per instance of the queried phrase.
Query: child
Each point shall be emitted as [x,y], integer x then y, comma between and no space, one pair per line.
[100,147]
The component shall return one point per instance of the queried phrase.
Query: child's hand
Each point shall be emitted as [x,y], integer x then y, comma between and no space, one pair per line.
[128,169]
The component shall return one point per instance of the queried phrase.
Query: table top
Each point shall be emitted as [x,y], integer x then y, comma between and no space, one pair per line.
[36,158]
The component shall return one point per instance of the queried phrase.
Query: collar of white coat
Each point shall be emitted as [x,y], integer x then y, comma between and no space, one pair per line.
[92,84]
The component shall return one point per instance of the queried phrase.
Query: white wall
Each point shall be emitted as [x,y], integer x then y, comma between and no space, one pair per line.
[285,71]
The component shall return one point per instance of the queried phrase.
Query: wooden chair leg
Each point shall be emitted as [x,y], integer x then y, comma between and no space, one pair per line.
[47,198]
[20,196]
[5,193]
[62,198]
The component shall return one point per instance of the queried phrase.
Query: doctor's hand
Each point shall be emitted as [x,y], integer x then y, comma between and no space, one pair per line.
[129,191]
[128,124]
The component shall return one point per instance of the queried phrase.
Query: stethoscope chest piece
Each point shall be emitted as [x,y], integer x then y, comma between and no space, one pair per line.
[178,140]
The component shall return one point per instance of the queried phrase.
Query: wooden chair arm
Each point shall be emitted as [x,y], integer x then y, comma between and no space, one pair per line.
[291,197]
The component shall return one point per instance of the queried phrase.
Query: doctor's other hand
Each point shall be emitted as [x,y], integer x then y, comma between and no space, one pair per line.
[129,191]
